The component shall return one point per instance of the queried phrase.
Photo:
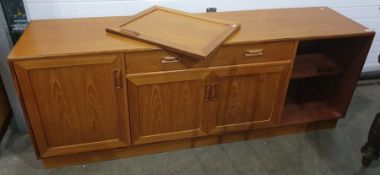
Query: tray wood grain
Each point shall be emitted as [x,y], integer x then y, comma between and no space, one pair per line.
[181,32]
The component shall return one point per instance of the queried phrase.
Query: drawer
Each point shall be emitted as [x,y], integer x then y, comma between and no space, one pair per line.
[251,53]
[160,60]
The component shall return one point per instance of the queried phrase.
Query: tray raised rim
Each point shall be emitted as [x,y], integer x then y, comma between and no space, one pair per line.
[201,53]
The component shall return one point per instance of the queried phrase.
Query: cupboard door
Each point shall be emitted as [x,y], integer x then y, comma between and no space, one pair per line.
[247,96]
[75,104]
[167,105]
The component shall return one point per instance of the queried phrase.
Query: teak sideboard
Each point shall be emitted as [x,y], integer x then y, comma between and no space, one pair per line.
[90,95]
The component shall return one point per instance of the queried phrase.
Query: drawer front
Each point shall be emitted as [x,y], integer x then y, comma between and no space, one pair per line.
[252,53]
[153,61]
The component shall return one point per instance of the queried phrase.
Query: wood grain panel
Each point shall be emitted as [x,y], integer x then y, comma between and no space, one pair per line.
[89,86]
[240,54]
[74,106]
[202,35]
[167,110]
[248,96]
[142,62]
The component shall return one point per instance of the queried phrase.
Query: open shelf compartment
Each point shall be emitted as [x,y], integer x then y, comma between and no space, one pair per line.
[314,65]
[305,104]
[323,78]
[314,59]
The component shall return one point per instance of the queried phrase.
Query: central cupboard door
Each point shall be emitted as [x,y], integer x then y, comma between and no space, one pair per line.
[247,96]
[167,105]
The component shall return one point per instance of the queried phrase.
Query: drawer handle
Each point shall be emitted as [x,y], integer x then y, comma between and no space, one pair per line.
[254,52]
[170,59]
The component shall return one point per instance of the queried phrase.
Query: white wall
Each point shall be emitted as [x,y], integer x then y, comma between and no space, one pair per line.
[366,12]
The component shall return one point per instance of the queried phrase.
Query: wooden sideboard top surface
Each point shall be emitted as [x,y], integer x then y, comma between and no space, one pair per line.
[64,37]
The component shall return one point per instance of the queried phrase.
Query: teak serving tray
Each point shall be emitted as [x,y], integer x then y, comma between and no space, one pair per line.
[178,31]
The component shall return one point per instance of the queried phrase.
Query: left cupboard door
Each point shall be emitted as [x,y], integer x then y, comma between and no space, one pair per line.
[75,104]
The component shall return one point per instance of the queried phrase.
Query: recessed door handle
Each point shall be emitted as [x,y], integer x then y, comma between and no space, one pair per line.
[254,52]
[214,91]
[117,78]
[170,59]
[207,93]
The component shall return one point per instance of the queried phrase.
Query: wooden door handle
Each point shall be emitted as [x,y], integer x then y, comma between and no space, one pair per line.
[207,93]
[254,52]
[170,59]
[117,78]
[214,91]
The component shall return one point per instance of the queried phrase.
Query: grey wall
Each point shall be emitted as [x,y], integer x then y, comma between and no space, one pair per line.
[5,47]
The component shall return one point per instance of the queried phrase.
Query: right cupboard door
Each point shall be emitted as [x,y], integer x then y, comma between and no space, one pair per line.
[247,96]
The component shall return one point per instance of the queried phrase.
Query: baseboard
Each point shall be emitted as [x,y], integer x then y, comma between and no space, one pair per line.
[138,150]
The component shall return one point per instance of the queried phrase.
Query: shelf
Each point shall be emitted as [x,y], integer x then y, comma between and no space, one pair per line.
[314,65]
[306,103]
[306,112]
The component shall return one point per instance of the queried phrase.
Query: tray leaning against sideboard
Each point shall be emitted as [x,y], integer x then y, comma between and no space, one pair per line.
[90,95]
